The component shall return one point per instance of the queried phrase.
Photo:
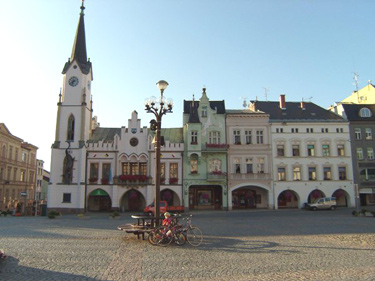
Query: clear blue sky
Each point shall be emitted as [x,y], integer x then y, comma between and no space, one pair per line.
[236,48]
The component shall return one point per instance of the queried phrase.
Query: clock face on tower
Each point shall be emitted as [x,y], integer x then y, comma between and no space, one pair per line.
[73,81]
[133,141]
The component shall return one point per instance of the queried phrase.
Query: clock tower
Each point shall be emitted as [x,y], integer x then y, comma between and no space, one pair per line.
[73,128]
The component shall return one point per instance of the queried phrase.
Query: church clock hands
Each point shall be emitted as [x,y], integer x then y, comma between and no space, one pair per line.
[73,81]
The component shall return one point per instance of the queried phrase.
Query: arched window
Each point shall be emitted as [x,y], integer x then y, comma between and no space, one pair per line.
[194,164]
[365,112]
[71,122]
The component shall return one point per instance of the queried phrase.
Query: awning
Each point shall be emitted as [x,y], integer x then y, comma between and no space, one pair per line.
[367,190]
[98,192]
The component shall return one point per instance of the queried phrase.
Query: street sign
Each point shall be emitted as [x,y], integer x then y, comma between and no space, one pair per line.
[23,193]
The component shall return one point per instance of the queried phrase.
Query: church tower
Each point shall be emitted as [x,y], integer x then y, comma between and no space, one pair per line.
[73,128]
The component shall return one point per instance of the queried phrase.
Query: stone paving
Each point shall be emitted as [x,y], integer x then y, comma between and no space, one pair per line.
[238,245]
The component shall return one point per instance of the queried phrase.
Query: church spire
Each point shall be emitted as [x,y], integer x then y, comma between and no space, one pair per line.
[79,47]
[79,52]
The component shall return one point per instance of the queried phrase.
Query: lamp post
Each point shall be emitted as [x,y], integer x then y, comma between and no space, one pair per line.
[158,107]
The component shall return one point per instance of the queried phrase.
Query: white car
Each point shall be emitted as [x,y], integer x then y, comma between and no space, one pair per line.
[327,203]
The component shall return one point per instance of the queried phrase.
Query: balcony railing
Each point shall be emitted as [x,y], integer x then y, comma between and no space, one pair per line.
[216,176]
[132,180]
[215,147]
[250,176]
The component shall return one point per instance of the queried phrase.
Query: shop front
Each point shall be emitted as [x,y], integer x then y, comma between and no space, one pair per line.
[205,197]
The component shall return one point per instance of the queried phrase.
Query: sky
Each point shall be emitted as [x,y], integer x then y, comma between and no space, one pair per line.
[239,49]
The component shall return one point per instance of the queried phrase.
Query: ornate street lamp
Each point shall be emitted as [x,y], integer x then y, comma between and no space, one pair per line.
[158,107]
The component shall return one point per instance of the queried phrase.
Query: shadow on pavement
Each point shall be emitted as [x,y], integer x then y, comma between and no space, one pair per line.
[9,268]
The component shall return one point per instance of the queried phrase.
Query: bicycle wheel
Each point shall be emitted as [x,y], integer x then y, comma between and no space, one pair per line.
[161,238]
[194,236]
[180,239]
[151,238]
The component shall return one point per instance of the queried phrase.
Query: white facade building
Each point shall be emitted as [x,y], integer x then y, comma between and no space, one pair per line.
[311,154]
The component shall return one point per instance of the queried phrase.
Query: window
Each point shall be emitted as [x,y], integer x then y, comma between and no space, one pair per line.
[8,173]
[15,174]
[342,173]
[194,137]
[312,173]
[340,150]
[24,156]
[23,175]
[365,112]
[310,150]
[10,152]
[357,133]
[259,137]
[280,150]
[143,168]
[70,133]
[94,172]
[237,165]
[194,164]
[214,165]
[106,170]
[248,137]
[237,137]
[368,134]
[309,130]
[249,165]
[367,174]
[281,174]
[327,173]
[67,197]
[370,153]
[359,153]
[294,130]
[214,137]
[204,111]
[325,149]
[134,169]
[260,165]
[339,130]
[162,172]
[173,170]
[324,130]
[295,149]
[279,130]
[3,151]
[297,173]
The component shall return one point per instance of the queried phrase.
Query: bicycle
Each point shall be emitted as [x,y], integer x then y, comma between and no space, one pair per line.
[165,235]
[193,233]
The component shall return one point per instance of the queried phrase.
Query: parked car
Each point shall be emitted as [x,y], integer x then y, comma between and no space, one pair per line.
[164,208]
[327,203]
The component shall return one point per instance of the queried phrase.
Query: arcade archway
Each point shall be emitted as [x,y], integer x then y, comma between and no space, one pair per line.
[342,198]
[287,199]
[133,200]
[99,200]
[315,194]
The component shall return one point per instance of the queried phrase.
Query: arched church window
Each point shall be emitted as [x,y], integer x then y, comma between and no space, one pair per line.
[71,122]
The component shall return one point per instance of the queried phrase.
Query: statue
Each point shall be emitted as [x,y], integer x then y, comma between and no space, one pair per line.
[68,166]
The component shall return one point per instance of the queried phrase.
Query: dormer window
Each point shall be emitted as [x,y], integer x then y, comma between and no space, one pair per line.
[365,112]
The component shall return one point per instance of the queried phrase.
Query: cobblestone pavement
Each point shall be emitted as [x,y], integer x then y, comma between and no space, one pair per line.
[238,245]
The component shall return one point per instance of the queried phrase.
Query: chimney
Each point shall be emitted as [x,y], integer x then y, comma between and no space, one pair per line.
[303,105]
[282,102]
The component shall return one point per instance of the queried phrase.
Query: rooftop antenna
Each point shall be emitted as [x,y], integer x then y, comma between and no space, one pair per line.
[356,84]
[266,90]
[356,81]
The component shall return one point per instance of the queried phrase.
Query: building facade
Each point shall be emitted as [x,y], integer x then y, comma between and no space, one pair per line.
[361,119]
[18,167]
[205,155]
[311,153]
[249,160]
